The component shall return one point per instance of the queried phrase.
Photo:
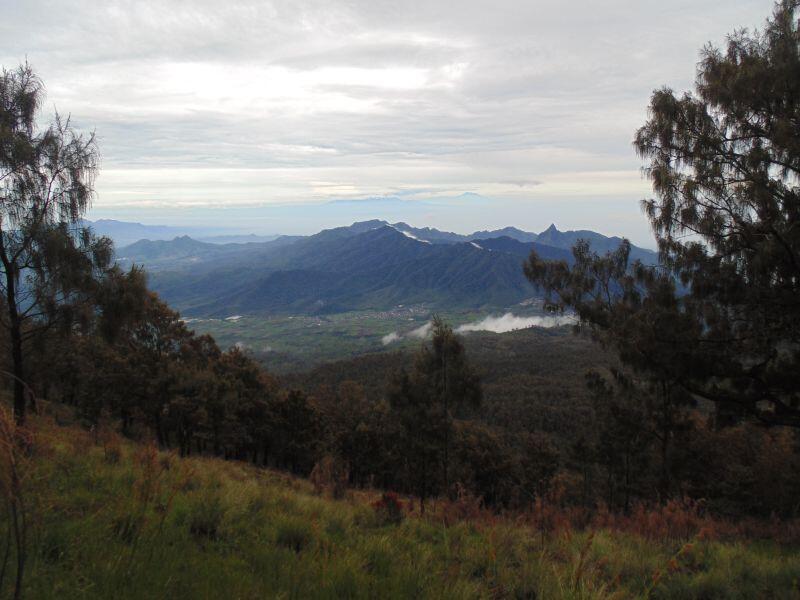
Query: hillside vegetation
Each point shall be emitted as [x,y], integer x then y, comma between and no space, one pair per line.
[107,518]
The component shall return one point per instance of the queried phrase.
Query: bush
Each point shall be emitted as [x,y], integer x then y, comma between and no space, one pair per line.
[294,535]
[206,517]
[330,475]
[389,509]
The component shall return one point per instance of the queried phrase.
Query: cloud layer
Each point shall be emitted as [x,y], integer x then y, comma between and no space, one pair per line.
[201,104]
[499,324]
[509,322]
[390,338]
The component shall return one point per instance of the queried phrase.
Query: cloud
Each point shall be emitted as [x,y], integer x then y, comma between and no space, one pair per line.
[390,338]
[198,103]
[500,324]
[521,182]
[509,322]
[421,332]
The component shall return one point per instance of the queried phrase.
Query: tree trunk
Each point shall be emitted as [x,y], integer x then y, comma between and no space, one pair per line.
[446,426]
[666,433]
[19,373]
[15,331]
[627,482]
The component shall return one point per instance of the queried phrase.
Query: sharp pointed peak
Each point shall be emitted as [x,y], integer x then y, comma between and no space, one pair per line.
[551,229]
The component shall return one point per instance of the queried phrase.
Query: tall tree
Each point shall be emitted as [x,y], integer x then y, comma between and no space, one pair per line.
[48,262]
[441,383]
[720,318]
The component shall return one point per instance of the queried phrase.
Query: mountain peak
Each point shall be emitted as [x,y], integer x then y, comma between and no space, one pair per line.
[361,226]
[407,233]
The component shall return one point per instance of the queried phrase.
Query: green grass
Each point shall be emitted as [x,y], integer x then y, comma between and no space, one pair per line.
[142,524]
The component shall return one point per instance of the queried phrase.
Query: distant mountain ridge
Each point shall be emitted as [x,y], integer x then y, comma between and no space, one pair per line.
[597,241]
[510,232]
[125,233]
[367,265]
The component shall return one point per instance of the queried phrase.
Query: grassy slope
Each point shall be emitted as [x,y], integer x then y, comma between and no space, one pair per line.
[127,522]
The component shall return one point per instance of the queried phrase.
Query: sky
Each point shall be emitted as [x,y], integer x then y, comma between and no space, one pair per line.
[286,117]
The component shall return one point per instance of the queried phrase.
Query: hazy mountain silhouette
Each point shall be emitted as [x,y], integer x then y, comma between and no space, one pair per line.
[367,265]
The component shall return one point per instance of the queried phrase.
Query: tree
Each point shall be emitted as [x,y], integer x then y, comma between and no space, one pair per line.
[48,262]
[720,318]
[295,432]
[631,423]
[449,380]
[358,433]
[442,382]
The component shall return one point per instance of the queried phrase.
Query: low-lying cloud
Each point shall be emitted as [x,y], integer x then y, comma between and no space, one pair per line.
[500,324]
[421,332]
[389,338]
[511,322]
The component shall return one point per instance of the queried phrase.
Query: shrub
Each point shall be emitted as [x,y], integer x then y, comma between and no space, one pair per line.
[330,475]
[465,507]
[206,516]
[112,451]
[294,535]
[389,509]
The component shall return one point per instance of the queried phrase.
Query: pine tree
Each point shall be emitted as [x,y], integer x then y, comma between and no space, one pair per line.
[720,318]
[441,383]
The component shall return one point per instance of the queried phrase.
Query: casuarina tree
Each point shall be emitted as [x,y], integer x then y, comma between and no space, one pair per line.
[720,317]
[48,262]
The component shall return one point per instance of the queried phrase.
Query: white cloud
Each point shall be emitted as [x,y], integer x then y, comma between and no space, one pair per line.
[390,338]
[509,322]
[421,332]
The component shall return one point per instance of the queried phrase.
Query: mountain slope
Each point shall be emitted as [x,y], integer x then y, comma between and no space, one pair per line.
[597,242]
[176,248]
[376,269]
[523,249]
[510,232]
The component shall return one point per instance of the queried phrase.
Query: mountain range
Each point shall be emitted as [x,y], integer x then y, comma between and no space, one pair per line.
[125,232]
[367,265]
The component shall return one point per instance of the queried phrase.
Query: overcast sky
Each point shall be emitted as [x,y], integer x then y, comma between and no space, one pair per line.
[208,105]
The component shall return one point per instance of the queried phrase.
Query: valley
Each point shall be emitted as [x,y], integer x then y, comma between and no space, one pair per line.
[296,302]
[287,343]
